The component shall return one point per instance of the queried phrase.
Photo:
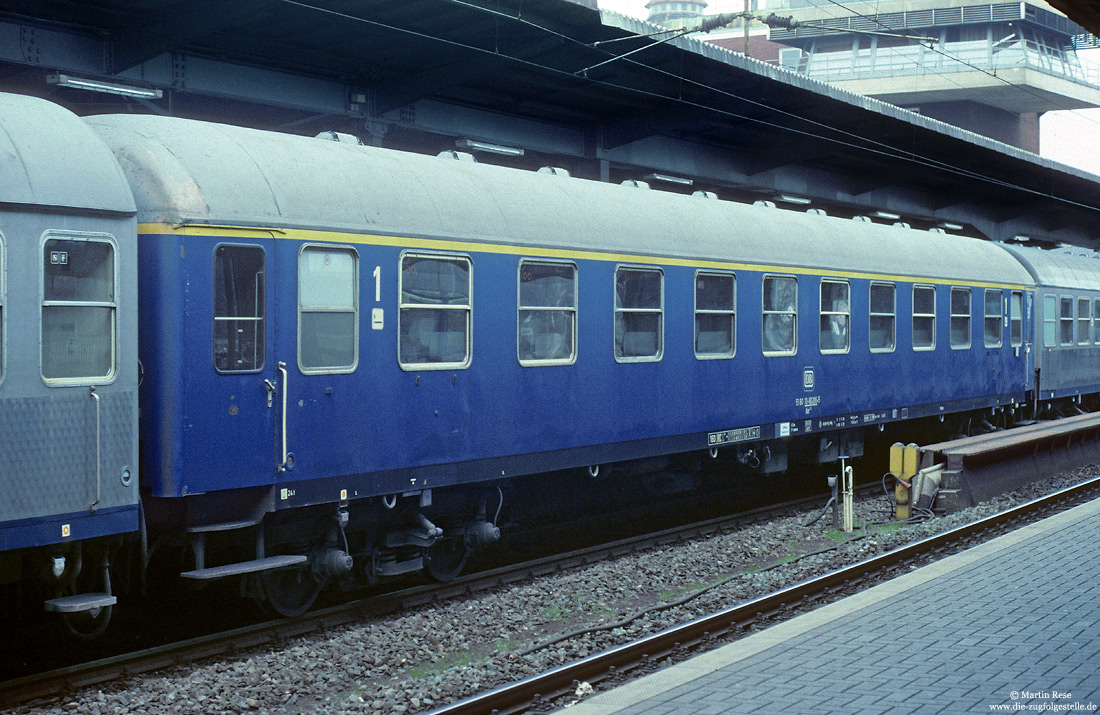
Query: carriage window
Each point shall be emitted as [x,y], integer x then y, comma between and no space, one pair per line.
[1016,318]
[639,305]
[715,316]
[328,309]
[2,275]
[239,303]
[835,314]
[1084,320]
[1050,321]
[436,312]
[780,330]
[1065,321]
[993,330]
[924,318]
[78,309]
[960,318]
[1096,321]
[883,317]
[547,323]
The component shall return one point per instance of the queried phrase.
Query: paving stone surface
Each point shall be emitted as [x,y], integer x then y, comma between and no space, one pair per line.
[1010,626]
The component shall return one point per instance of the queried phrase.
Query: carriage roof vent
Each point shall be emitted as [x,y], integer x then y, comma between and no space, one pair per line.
[341,137]
[457,155]
[816,212]
[636,184]
[554,170]
[936,229]
[764,204]
[705,194]
[901,224]
[862,219]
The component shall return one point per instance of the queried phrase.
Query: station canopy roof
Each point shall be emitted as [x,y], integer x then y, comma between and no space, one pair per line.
[571,86]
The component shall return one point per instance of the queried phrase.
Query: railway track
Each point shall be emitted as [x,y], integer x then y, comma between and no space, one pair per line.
[231,642]
[643,655]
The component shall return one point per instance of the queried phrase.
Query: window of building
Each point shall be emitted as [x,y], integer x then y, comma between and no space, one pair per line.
[78,310]
[547,322]
[434,320]
[835,316]
[1084,320]
[239,304]
[639,310]
[924,318]
[994,333]
[960,318]
[883,318]
[1016,318]
[780,329]
[1050,321]
[328,309]
[715,317]
[1065,321]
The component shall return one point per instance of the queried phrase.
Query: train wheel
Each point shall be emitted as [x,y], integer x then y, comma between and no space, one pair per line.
[289,592]
[88,625]
[444,559]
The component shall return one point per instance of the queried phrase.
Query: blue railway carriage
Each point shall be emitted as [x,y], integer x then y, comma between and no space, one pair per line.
[348,351]
[1067,324]
[68,378]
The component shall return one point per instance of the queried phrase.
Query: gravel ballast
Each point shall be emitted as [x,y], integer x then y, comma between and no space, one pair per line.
[417,661]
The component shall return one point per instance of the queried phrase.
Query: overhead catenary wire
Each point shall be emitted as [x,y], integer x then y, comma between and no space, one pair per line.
[851,141]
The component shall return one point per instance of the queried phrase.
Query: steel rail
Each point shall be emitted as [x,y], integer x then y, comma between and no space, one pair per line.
[48,684]
[522,695]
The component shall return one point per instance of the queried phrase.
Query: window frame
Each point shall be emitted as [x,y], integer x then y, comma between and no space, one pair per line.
[1096,321]
[915,315]
[3,302]
[999,318]
[893,315]
[1066,325]
[969,317]
[822,313]
[1015,319]
[302,309]
[574,310]
[88,237]
[1085,303]
[468,307]
[261,319]
[1050,321]
[732,313]
[621,311]
[765,313]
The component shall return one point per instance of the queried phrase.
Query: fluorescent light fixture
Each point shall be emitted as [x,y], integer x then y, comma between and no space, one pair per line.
[471,145]
[950,226]
[788,199]
[1021,238]
[95,85]
[670,179]
[886,215]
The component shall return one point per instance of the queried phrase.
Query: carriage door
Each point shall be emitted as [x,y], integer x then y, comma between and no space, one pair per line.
[245,373]
[316,344]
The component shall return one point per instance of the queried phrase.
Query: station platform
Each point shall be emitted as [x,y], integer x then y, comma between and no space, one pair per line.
[1012,625]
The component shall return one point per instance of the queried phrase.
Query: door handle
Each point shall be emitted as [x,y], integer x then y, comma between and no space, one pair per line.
[282,370]
[271,387]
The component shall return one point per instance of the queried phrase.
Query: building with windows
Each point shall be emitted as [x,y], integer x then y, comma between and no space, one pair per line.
[989,68]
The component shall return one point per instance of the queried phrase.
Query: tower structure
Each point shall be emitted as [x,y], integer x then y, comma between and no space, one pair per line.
[664,12]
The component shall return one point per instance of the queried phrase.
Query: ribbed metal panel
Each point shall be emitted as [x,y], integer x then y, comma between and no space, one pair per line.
[48,449]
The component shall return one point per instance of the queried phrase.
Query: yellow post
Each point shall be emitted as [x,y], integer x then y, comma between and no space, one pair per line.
[910,455]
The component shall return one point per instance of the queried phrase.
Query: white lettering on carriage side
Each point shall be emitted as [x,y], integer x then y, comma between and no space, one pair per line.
[733,435]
